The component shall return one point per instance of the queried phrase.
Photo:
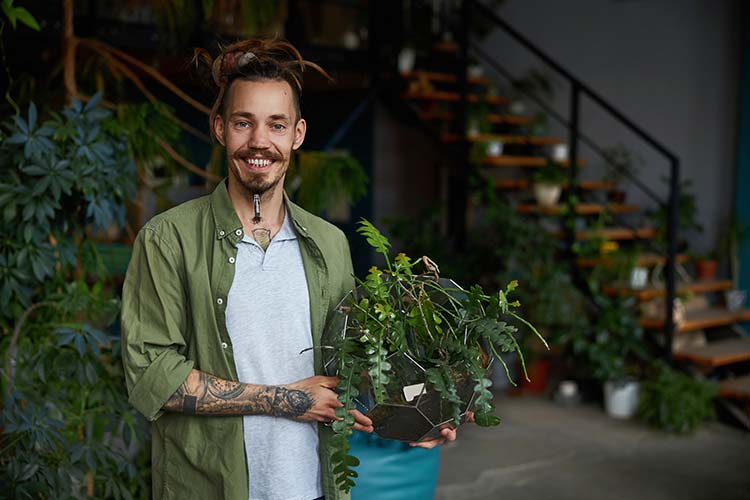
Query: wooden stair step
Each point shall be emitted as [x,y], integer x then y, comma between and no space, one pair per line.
[441,95]
[581,209]
[520,161]
[699,320]
[682,288]
[644,260]
[491,118]
[522,184]
[735,388]
[435,76]
[506,139]
[718,353]
[613,234]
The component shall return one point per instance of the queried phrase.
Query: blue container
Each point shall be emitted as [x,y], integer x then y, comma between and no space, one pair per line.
[392,470]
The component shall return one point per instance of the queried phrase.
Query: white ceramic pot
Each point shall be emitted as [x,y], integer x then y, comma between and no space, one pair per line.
[735,299]
[560,152]
[406,59]
[621,398]
[638,278]
[547,195]
[517,107]
[494,148]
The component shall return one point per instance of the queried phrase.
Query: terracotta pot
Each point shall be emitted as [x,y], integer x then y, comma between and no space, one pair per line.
[538,371]
[706,269]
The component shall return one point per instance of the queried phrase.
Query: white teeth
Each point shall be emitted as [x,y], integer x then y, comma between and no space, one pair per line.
[258,162]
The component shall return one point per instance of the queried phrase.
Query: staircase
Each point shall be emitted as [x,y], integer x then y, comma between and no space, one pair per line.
[435,90]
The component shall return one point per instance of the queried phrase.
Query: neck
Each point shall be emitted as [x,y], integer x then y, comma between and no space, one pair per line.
[271,207]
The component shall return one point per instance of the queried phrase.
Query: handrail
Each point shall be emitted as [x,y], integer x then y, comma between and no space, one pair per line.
[578,87]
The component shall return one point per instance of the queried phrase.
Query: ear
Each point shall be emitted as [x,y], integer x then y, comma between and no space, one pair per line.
[299,133]
[219,129]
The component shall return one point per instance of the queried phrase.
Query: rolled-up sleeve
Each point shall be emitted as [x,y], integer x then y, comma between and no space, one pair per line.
[153,324]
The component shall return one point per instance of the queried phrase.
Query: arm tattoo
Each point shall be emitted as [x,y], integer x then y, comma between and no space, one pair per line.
[204,394]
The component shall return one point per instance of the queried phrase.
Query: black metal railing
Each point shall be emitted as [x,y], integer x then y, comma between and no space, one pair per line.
[578,88]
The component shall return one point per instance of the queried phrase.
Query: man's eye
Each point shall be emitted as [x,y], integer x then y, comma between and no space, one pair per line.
[278,126]
[243,124]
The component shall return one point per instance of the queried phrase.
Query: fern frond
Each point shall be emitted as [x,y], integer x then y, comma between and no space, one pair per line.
[375,238]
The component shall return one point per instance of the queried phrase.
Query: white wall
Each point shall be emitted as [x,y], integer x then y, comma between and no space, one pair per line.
[670,65]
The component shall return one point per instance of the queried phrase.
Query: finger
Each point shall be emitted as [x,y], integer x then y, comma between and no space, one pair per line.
[329,382]
[470,416]
[360,418]
[449,434]
[363,428]
[428,444]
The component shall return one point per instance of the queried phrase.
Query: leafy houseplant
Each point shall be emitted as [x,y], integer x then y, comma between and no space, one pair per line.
[67,428]
[688,211]
[674,401]
[547,184]
[621,163]
[412,351]
[327,182]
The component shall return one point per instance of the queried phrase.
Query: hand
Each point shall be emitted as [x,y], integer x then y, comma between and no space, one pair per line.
[447,432]
[323,402]
[320,398]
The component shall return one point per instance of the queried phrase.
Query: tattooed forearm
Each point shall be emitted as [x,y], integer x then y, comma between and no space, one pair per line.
[204,394]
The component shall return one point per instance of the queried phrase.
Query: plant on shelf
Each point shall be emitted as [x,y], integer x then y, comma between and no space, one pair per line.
[674,401]
[476,119]
[687,210]
[412,350]
[621,163]
[706,265]
[548,183]
[326,182]
[66,424]
[733,234]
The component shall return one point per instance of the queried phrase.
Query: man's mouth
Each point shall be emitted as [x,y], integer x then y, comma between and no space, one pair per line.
[257,163]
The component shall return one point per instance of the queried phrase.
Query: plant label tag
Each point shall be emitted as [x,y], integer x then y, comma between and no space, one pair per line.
[412,391]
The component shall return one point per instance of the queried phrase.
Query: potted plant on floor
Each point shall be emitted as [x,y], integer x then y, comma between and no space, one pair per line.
[674,401]
[412,351]
[547,184]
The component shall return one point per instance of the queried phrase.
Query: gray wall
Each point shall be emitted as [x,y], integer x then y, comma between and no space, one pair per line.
[670,65]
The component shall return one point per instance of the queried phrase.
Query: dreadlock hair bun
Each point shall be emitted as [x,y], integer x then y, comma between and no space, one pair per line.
[255,60]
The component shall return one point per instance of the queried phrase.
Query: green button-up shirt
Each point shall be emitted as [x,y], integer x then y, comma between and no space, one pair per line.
[173,320]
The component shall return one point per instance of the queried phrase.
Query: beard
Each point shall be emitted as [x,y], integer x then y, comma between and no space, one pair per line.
[252,183]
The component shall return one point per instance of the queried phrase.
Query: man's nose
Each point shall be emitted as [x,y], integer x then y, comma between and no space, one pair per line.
[258,138]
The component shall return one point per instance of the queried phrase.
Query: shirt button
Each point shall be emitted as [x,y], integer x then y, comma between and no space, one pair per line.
[220,301]
[221,233]
[231,260]
[238,232]
[224,345]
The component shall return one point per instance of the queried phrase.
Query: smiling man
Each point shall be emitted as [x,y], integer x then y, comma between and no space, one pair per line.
[224,297]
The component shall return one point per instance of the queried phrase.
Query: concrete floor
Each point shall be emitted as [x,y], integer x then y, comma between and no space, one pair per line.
[543,451]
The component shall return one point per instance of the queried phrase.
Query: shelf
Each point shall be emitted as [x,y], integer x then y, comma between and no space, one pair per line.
[644,260]
[683,288]
[719,353]
[698,320]
[736,388]
[581,209]
[441,95]
[494,119]
[435,76]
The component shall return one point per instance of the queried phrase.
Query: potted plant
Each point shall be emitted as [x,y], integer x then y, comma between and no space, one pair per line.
[412,351]
[688,211]
[621,164]
[326,182]
[674,401]
[706,265]
[612,350]
[735,299]
[547,184]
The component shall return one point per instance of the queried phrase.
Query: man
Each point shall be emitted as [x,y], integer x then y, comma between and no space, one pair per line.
[223,296]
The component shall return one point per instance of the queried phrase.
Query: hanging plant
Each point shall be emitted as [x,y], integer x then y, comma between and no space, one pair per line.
[412,351]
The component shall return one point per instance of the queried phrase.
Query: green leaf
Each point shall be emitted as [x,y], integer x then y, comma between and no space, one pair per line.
[26,18]
[486,420]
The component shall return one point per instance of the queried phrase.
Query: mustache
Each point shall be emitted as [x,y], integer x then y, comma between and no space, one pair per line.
[258,153]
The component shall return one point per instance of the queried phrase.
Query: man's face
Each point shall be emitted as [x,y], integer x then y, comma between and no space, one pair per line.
[259,128]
